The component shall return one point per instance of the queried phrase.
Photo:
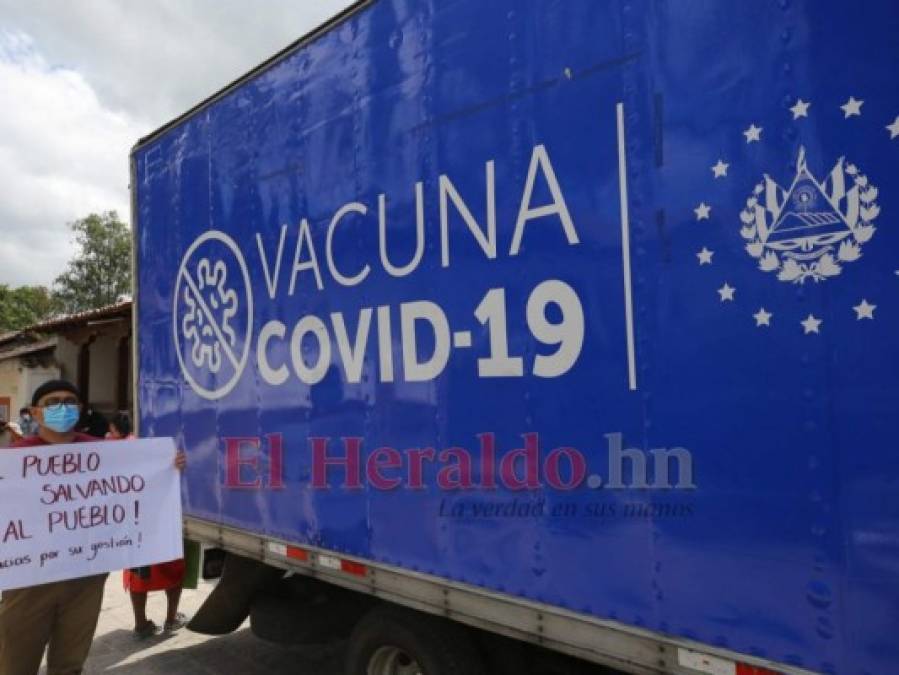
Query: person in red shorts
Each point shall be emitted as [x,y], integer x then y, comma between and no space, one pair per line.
[167,576]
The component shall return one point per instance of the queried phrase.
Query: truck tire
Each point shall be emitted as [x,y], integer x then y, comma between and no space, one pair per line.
[395,641]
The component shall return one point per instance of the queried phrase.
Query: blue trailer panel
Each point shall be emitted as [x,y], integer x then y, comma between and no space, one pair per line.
[499,251]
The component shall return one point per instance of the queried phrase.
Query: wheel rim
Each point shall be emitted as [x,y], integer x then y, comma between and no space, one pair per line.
[393,661]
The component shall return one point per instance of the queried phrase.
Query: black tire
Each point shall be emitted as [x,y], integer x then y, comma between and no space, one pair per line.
[439,647]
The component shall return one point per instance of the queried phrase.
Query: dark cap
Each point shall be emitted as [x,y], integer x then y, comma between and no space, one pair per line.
[54,385]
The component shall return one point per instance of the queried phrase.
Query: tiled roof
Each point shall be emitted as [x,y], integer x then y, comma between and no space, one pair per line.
[122,309]
[25,349]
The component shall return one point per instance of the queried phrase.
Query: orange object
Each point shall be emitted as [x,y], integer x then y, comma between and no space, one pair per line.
[159,577]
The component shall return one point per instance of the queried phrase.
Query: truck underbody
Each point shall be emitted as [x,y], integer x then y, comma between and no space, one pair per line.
[308,596]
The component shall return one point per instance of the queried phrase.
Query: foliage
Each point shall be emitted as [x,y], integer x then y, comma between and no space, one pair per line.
[100,272]
[23,306]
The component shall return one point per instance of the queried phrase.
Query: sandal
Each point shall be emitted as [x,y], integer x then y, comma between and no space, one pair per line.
[172,625]
[147,630]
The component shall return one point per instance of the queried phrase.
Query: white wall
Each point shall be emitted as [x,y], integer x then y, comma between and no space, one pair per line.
[18,382]
[10,384]
[104,373]
[32,378]
[67,358]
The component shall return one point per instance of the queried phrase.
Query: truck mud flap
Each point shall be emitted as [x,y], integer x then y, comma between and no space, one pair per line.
[229,603]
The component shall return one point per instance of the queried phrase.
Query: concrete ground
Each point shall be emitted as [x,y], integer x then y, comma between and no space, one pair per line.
[116,652]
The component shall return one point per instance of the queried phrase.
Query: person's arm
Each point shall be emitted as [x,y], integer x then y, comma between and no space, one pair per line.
[180,460]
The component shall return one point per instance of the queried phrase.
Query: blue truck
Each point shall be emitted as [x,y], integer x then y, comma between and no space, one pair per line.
[527,322]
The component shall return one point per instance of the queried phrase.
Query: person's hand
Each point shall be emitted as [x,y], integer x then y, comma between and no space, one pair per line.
[180,460]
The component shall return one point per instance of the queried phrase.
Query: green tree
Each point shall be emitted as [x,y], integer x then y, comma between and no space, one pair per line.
[100,272]
[23,306]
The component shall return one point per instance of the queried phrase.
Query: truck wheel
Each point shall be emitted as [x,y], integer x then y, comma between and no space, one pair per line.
[395,641]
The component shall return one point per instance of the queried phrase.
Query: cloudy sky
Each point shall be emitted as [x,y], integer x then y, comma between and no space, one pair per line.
[82,80]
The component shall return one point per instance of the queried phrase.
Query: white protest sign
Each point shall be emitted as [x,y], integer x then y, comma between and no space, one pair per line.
[74,510]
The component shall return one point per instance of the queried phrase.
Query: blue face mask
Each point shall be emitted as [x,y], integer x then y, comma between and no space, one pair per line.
[61,418]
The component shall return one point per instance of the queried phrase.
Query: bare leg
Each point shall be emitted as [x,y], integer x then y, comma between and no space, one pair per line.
[173,597]
[139,605]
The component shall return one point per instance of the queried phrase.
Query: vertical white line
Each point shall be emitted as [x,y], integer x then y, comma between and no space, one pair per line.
[626,252]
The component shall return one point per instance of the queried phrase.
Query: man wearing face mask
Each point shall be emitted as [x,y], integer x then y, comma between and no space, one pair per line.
[60,616]
[27,423]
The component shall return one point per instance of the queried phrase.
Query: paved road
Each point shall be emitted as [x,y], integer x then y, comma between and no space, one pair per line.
[116,652]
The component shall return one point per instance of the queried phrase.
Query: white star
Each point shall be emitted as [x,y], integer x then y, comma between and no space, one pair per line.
[720,169]
[702,211]
[852,107]
[753,133]
[705,256]
[811,324]
[800,109]
[894,128]
[726,292]
[762,318]
[863,310]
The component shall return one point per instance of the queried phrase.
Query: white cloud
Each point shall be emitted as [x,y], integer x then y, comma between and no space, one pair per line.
[155,59]
[63,154]
[82,81]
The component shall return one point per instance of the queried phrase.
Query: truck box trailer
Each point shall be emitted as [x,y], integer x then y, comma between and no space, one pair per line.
[572,323]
